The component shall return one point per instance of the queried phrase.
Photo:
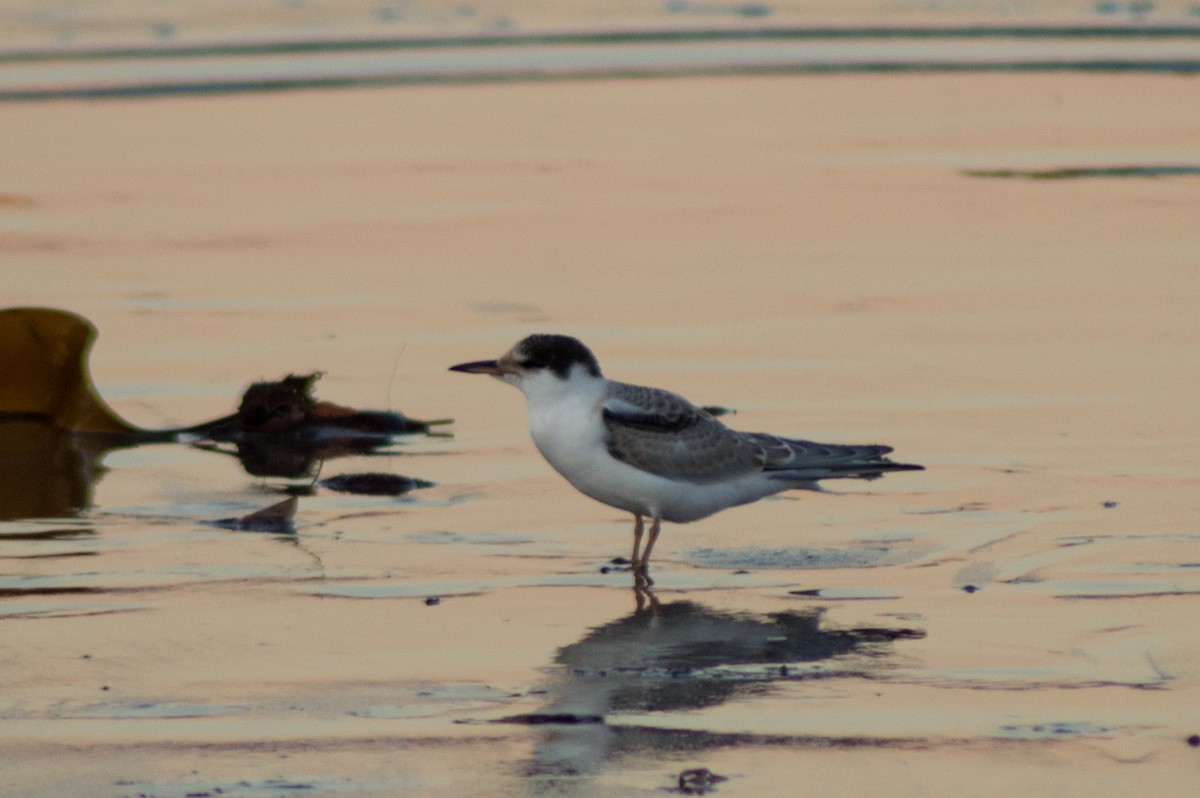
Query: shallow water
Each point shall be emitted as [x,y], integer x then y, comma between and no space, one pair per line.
[806,250]
[333,63]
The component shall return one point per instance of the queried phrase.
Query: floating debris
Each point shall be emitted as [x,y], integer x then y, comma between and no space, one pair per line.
[288,407]
[44,360]
[277,518]
[698,781]
[279,430]
[373,484]
[43,357]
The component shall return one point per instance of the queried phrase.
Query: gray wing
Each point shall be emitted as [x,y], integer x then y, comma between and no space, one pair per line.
[665,434]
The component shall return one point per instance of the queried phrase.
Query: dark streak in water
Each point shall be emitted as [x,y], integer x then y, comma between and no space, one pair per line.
[149,90]
[554,718]
[1155,594]
[1068,173]
[49,534]
[642,738]
[48,613]
[9,592]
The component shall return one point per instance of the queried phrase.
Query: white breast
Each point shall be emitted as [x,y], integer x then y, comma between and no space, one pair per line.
[567,428]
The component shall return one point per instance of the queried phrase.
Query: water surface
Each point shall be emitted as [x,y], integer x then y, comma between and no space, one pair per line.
[805,249]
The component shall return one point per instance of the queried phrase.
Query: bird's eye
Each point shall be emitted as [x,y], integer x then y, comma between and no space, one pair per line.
[531,363]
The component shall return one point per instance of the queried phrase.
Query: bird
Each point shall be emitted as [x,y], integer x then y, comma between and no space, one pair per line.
[651,452]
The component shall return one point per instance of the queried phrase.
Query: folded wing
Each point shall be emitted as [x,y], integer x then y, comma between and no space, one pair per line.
[664,434]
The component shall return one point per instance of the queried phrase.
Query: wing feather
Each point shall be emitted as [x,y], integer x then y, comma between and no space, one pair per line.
[663,433]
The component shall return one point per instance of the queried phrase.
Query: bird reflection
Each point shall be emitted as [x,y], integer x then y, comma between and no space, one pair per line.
[679,656]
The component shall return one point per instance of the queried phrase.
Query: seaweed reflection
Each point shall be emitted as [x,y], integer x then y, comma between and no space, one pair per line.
[45,472]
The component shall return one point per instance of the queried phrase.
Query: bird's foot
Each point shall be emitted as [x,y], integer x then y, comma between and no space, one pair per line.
[640,577]
[636,567]
[646,600]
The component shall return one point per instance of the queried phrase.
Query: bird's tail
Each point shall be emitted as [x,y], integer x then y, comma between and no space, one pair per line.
[797,461]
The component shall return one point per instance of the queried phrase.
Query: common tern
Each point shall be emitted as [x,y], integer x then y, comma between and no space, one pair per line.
[651,452]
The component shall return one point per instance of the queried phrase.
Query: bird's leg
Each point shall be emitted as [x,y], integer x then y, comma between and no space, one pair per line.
[637,540]
[645,561]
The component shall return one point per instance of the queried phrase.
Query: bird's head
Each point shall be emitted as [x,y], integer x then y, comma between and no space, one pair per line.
[539,359]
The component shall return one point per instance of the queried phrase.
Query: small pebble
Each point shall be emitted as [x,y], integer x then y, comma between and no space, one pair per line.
[969,588]
[1194,741]
[1110,505]
[432,601]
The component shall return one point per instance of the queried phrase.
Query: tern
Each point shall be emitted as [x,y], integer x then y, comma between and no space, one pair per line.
[651,452]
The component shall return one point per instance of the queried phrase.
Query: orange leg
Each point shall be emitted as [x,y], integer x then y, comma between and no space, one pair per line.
[650,541]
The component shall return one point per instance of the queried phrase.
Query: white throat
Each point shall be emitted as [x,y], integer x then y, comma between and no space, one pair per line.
[544,389]
[565,418]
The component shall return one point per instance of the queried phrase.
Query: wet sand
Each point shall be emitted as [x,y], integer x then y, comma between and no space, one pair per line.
[1018,619]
